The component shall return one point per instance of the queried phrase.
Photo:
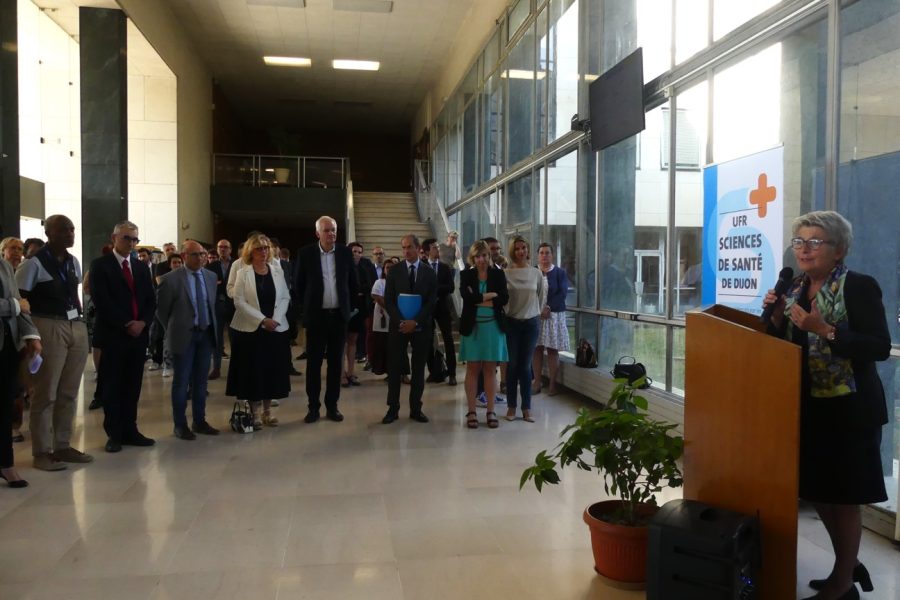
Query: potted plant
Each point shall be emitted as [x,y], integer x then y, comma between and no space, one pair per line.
[637,458]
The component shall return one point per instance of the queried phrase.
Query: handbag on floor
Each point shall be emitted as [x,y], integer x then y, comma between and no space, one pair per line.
[241,417]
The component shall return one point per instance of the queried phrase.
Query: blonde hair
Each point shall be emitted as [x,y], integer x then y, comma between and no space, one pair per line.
[478,248]
[9,240]
[511,251]
[257,240]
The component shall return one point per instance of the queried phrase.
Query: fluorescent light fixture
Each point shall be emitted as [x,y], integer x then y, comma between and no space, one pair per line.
[356,65]
[287,61]
[372,6]
[521,74]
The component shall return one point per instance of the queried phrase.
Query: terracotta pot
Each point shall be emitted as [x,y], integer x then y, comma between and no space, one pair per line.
[620,551]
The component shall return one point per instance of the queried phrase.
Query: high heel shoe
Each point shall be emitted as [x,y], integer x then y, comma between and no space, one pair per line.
[851,594]
[860,576]
[15,483]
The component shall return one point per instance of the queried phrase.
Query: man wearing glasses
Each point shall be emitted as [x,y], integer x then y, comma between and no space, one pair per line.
[49,281]
[186,307]
[122,291]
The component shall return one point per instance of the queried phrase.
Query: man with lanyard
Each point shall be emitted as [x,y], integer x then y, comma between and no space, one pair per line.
[49,281]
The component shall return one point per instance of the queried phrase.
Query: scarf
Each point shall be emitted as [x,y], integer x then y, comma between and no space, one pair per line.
[829,375]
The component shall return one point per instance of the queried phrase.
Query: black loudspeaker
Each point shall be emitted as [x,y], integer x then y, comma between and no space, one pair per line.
[700,552]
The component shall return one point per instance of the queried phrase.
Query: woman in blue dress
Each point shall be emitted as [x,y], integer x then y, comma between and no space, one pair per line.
[482,327]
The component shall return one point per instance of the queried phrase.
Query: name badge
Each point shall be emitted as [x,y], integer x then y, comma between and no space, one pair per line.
[72,314]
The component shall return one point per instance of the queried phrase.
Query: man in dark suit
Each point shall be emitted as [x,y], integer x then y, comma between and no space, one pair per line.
[186,307]
[123,295]
[411,276]
[442,315]
[324,285]
[224,305]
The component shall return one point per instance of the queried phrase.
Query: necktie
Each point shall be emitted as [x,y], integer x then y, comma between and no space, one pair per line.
[412,277]
[202,312]
[129,279]
[434,266]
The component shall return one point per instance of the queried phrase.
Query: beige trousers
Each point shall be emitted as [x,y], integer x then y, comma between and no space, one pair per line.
[56,384]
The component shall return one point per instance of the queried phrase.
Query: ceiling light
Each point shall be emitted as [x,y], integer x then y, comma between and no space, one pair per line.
[356,65]
[521,74]
[278,3]
[372,6]
[287,61]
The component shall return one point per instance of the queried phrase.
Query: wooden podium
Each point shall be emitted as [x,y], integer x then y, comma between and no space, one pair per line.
[741,432]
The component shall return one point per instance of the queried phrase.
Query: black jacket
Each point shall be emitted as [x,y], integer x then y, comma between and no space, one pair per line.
[309,287]
[112,298]
[468,289]
[398,283]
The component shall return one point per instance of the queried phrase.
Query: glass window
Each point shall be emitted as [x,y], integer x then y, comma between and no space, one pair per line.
[478,221]
[470,147]
[517,207]
[645,341]
[587,325]
[519,75]
[453,174]
[691,117]
[691,25]
[654,35]
[728,15]
[867,176]
[541,81]
[492,52]
[492,127]
[440,172]
[517,15]
[633,221]
[562,66]
[560,219]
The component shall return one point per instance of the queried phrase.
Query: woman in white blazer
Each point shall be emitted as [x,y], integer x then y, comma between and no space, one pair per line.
[260,352]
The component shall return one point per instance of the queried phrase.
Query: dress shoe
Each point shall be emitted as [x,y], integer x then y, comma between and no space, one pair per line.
[334,415]
[390,417]
[138,439]
[14,483]
[95,404]
[71,455]
[46,462]
[183,433]
[18,436]
[433,379]
[311,417]
[452,380]
[295,372]
[204,428]
[302,356]
[419,416]
[860,576]
[214,374]
[113,446]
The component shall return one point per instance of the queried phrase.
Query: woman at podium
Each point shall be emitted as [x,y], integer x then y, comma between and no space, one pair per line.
[837,317]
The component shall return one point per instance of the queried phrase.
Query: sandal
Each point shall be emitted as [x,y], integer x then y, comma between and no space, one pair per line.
[354,380]
[347,382]
[535,389]
[526,416]
[269,420]
[471,420]
[510,414]
[492,421]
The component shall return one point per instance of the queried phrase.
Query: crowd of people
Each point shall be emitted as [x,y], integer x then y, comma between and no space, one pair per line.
[173,309]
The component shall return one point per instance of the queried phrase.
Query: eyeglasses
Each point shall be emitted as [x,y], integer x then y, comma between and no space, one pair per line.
[224,247]
[378,253]
[198,254]
[128,238]
[813,243]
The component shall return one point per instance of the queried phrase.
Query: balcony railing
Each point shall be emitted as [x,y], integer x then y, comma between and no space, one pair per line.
[255,170]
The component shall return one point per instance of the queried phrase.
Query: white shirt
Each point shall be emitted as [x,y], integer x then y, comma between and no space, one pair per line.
[329,279]
[378,290]
[417,265]
[120,259]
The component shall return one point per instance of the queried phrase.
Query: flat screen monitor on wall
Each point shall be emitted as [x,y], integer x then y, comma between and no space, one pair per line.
[617,102]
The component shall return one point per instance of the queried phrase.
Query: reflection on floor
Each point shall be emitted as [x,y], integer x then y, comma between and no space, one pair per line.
[342,511]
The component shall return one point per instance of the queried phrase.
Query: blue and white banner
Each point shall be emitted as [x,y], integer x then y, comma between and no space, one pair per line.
[743,224]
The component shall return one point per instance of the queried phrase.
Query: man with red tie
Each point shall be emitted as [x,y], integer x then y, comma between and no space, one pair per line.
[122,292]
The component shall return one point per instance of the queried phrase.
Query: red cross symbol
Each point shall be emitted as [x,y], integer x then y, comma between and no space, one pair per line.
[762,195]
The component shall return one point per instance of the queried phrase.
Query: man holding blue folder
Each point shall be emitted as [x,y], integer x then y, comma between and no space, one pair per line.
[409,298]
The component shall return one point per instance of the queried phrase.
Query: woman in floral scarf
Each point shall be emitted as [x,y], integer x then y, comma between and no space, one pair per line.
[837,317]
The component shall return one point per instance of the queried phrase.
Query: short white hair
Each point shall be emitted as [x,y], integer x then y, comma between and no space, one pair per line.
[322,219]
[124,225]
[836,227]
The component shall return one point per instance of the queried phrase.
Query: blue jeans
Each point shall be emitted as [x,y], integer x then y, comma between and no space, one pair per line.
[521,338]
[191,367]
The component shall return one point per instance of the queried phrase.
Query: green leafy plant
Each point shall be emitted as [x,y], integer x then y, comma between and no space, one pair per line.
[636,455]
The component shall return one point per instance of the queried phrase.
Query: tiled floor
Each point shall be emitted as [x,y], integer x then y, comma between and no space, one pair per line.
[337,511]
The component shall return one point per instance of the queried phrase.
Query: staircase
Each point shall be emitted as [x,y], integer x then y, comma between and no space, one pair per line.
[382,218]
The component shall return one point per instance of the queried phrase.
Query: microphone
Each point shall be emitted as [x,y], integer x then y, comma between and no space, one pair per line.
[785,277]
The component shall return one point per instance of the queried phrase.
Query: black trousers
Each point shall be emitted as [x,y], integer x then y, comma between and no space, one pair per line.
[9,363]
[397,347]
[122,372]
[445,324]
[325,339]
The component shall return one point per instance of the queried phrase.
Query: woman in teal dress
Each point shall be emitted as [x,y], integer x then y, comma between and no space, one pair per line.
[482,327]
